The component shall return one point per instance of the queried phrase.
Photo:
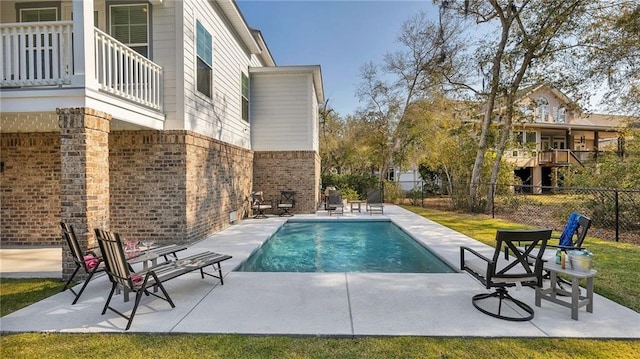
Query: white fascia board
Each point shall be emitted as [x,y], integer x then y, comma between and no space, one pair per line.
[231,11]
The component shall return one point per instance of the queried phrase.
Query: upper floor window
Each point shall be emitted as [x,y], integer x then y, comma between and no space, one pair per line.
[129,24]
[245,97]
[560,115]
[204,55]
[542,110]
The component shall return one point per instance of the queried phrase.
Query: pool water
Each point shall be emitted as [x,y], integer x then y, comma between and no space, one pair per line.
[343,246]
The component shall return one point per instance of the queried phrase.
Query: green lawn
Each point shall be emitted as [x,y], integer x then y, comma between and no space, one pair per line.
[17,293]
[618,264]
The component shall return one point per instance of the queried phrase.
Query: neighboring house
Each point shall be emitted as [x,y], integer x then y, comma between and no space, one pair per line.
[556,134]
[552,133]
[153,119]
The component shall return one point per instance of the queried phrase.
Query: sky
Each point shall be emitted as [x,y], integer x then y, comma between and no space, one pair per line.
[338,35]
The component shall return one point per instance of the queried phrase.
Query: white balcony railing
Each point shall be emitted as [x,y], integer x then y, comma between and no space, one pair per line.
[36,54]
[125,73]
[41,54]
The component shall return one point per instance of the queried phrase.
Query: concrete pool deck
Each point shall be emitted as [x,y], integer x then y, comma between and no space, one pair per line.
[321,304]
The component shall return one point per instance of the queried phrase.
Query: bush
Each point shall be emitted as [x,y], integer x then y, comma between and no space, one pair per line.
[359,183]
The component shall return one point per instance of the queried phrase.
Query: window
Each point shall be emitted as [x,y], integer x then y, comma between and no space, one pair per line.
[542,110]
[204,54]
[41,14]
[523,137]
[560,115]
[129,24]
[245,97]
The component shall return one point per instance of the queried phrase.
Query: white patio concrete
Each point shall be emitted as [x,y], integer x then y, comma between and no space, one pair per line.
[328,304]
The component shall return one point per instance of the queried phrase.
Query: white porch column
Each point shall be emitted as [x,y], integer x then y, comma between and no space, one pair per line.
[83,45]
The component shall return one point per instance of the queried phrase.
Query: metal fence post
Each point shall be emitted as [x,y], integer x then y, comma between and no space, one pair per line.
[617,216]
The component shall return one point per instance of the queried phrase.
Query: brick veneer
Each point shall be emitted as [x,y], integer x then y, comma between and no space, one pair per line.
[172,186]
[30,188]
[299,171]
[84,175]
[175,186]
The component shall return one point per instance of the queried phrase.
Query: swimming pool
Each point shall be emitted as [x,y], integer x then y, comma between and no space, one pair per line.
[343,246]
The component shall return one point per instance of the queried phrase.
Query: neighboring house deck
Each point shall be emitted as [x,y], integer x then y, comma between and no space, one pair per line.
[150,118]
[552,133]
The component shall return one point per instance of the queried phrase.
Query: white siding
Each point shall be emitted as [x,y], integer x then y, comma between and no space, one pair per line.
[281,112]
[219,117]
[315,122]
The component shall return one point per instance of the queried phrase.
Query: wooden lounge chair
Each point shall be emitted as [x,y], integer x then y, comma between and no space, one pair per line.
[88,261]
[121,275]
[501,273]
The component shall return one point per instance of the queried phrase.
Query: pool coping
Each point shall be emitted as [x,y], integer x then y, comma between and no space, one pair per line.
[323,304]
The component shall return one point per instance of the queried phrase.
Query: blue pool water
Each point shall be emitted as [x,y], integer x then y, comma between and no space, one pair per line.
[343,246]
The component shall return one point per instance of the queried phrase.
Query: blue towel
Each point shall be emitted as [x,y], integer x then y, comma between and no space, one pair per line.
[566,238]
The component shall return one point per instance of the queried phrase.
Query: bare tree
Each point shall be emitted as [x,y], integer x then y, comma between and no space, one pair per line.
[412,73]
[531,37]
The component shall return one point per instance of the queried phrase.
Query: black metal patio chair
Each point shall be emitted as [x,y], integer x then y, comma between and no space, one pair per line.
[287,202]
[498,273]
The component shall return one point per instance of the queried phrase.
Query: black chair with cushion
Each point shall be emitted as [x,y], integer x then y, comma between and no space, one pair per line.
[259,205]
[522,268]
[88,261]
[287,202]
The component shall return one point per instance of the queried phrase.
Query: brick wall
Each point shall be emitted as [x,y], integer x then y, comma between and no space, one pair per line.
[289,170]
[219,179]
[30,189]
[84,175]
[174,186]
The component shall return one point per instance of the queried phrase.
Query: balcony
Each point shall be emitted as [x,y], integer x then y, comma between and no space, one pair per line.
[560,158]
[38,55]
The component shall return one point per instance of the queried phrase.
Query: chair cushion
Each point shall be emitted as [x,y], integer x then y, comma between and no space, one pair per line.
[90,261]
[137,279]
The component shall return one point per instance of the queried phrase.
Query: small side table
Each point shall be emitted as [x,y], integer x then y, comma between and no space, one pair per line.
[576,300]
[356,204]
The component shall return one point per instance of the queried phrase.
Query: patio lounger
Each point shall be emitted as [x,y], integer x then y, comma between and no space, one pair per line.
[89,261]
[334,202]
[121,275]
[375,201]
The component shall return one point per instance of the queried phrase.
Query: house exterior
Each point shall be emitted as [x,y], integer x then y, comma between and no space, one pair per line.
[550,133]
[154,119]
[554,134]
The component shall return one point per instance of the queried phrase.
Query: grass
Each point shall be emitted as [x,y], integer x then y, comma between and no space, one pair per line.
[131,346]
[617,264]
[17,293]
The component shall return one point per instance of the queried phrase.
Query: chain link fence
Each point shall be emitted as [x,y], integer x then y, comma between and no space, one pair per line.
[615,213]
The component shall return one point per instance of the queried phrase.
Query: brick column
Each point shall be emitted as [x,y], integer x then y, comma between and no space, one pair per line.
[84,177]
